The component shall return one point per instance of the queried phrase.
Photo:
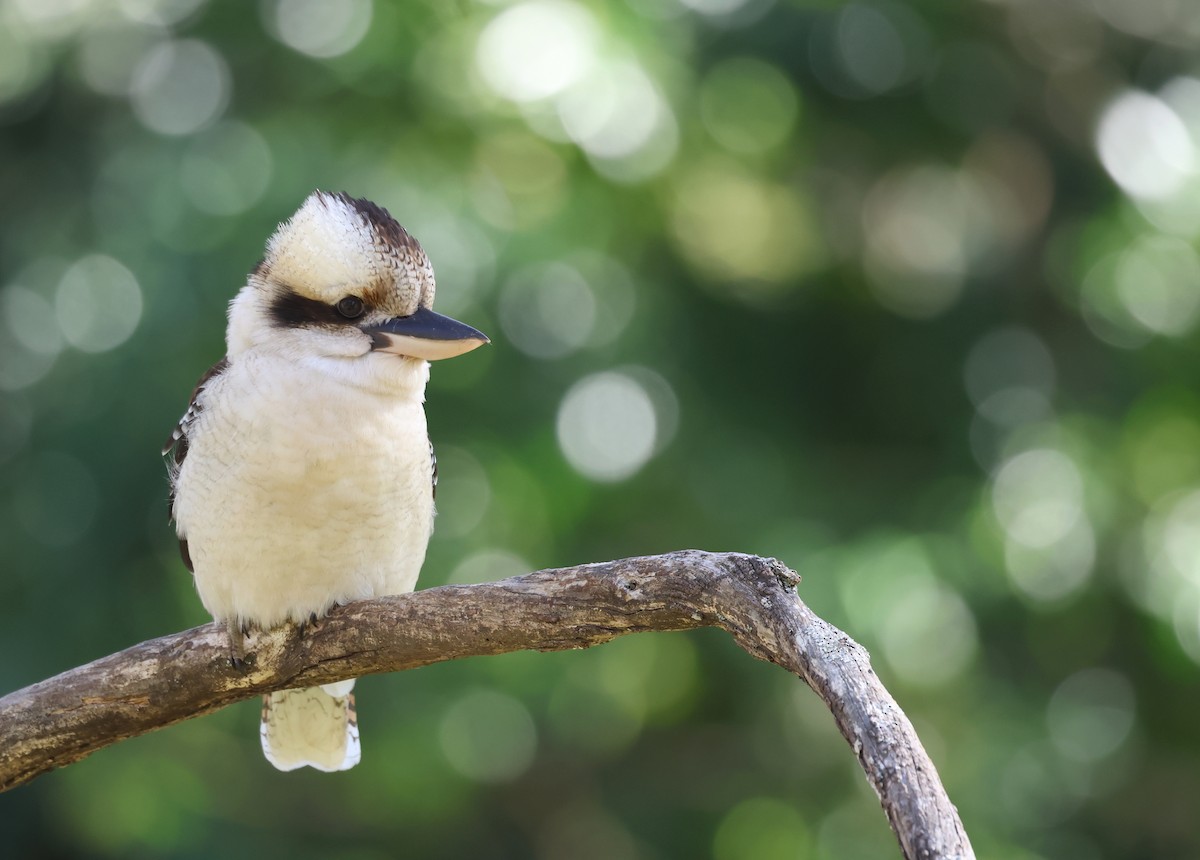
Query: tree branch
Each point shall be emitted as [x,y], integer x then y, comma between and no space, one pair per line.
[174,678]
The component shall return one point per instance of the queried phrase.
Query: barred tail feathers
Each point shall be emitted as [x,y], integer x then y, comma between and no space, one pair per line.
[313,726]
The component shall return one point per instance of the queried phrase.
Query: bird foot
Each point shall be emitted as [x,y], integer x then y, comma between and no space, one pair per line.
[302,627]
[238,658]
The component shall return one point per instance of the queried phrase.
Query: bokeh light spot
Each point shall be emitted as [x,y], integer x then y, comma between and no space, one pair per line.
[488,737]
[1181,537]
[1038,497]
[49,19]
[847,832]
[617,116]
[762,827]
[179,87]
[462,254]
[98,304]
[321,28]
[1144,145]
[160,13]
[30,319]
[732,225]
[876,574]
[1158,282]
[463,492]
[867,49]
[1090,714]
[109,55]
[1162,448]
[1165,574]
[607,426]
[1146,18]
[929,636]
[1010,376]
[21,367]
[592,720]
[1056,571]
[531,175]
[1033,788]
[653,677]
[925,228]
[1105,311]
[871,48]
[612,114]
[714,8]
[537,49]
[548,310]
[747,105]
[226,169]
[488,565]
[21,66]
[614,291]
[1185,617]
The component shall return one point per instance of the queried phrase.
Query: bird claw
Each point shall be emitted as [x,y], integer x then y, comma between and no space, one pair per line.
[302,627]
[238,658]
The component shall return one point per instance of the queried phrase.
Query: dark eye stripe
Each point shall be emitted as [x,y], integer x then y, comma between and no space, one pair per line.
[289,309]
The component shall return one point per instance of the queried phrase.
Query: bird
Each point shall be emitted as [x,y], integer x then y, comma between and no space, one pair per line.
[301,475]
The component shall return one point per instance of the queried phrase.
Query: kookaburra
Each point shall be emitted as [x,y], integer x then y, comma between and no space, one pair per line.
[302,475]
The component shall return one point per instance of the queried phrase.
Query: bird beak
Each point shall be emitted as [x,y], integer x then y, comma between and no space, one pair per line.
[424,334]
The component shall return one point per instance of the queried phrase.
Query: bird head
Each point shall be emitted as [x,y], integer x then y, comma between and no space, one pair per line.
[342,280]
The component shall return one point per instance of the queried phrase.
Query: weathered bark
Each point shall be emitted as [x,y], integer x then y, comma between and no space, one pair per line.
[174,678]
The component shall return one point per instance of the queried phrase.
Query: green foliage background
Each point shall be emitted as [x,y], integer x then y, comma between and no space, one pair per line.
[903,294]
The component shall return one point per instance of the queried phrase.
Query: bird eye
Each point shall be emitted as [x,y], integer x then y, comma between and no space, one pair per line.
[351,307]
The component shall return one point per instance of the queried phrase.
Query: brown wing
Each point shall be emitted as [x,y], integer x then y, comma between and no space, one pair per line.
[176,447]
